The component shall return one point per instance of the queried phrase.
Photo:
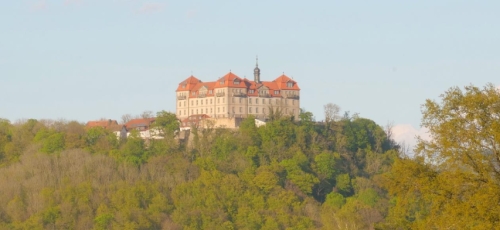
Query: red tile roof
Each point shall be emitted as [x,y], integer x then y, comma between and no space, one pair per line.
[145,123]
[230,80]
[193,85]
[101,123]
[282,83]
[188,84]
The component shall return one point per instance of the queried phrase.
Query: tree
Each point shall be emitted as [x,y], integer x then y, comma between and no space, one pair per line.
[133,151]
[147,114]
[331,112]
[126,118]
[5,137]
[454,179]
[465,130]
[166,123]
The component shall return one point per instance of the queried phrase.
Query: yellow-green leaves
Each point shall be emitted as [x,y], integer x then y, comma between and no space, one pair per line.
[454,180]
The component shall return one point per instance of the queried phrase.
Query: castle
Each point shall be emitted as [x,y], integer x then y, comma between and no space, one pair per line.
[233,97]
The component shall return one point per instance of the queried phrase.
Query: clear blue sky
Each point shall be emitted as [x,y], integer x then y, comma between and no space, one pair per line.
[90,59]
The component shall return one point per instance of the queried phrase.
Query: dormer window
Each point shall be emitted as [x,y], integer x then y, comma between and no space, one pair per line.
[221,82]
[183,86]
[251,91]
[237,82]
[289,84]
[276,92]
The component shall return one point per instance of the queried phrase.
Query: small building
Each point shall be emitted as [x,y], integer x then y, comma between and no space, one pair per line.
[259,123]
[143,125]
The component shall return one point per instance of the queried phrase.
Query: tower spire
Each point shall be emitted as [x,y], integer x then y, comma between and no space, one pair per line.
[256,71]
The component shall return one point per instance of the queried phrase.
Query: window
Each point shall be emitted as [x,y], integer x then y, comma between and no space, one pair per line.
[233,100]
[201,102]
[192,102]
[264,110]
[249,109]
[233,109]
[196,102]
[211,110]
[194,93]
[210,101]
[263,101]
[251,91]
[249,100]
[184,103]
[210,91]
[192,111]
[241,109]
[276,92]
[218,109]
[196,111]
[289,84]
[256,100]
[218,100]
[206,101]
[183,86]
[257,110]
[224,100]
[180,104]
[221,82]
[240,99]
[237,82]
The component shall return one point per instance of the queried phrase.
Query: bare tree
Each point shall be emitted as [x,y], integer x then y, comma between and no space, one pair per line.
[388,130]
[331,112]
[126,118]
[147,114]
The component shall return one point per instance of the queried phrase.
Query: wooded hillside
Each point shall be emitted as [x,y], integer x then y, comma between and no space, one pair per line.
[344,173]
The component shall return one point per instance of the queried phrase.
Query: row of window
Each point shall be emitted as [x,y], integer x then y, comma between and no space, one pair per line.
[251,91]
[263,101]
[200,101]
[201,111]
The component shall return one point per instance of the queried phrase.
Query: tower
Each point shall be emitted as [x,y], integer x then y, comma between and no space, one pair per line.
[256,71]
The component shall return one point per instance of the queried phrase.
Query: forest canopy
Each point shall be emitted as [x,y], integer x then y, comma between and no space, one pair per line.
[344,173]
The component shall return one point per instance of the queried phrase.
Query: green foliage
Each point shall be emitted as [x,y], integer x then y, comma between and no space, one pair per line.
[368,197]
[100,140]
[284,175]
[53,143]
[326,164]
[343,184]
[295,172]
[335,200]
[134,149]
[5,138]
[167,123]
[362,133]
[453,180]
[249,131]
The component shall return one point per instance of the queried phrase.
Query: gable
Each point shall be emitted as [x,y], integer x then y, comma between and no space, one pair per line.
[203,88]
[262,87]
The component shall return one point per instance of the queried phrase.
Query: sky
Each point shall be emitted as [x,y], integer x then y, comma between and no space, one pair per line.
[90,59]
